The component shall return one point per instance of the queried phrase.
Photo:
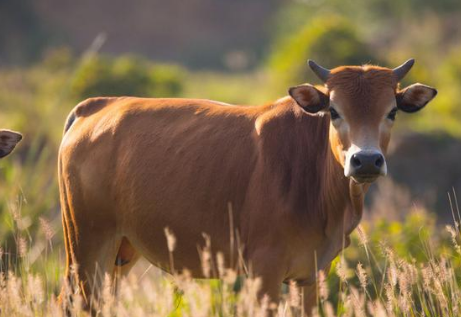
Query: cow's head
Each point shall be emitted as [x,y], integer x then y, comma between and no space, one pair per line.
[362,102]
[8,141]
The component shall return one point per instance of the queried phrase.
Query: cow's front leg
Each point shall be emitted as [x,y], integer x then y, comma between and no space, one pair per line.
[270,290]
[309,298]
[266,266]
[310,294]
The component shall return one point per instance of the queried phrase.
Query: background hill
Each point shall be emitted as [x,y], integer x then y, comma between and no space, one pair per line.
[196,33]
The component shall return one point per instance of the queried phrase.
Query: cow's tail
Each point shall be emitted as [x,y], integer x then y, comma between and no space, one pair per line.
[70,120]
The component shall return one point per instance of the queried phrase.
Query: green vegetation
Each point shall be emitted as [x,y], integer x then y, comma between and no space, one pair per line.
[332,40]
[126,76]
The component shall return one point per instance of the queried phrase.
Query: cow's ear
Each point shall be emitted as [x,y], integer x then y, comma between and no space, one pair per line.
[8,140]
[309,98]
[415,97]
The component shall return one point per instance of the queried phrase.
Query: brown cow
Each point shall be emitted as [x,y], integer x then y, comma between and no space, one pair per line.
[8,141]
[295,172]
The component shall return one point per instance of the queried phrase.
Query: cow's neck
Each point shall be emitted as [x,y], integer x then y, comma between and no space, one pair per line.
[296,151]
[343,201]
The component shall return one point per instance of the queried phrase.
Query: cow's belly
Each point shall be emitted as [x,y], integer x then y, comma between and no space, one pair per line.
[146,232]
[193,207]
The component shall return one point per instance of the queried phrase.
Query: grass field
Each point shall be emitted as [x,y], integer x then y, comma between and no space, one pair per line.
[393,268]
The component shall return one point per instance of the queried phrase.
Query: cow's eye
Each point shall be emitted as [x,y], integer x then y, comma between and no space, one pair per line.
[334,114]
[392,114]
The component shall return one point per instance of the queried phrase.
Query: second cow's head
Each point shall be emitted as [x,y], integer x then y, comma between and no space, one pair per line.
[362,102]
[8,141]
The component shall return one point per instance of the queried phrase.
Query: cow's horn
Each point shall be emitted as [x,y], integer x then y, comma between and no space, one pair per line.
[403,69]
[320,71]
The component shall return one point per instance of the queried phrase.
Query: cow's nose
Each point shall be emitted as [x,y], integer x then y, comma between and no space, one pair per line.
[367,164]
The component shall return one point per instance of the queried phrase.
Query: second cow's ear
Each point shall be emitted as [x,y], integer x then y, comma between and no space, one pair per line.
[415,97]
[309,98]
[8,141]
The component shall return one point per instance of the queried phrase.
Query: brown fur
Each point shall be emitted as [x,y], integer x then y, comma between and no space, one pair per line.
[361,79]
[364,91]
[129,167]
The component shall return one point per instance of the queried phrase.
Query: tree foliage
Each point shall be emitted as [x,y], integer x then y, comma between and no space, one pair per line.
[331,40]
[126,75]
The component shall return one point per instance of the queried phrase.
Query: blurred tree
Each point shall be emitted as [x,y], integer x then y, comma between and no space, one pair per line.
[58,59]
[372,14]
[128,76]
[445,112]
[330,40]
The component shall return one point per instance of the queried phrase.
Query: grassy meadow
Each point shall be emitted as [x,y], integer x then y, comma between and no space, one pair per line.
[402,261]
[408,267]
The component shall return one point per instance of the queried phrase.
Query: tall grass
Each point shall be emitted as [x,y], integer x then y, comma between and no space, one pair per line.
[409,268]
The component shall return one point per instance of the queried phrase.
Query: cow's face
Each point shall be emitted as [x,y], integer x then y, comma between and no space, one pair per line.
[362,103]
[8,141]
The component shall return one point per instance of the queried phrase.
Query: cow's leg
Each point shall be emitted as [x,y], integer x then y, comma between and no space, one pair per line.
[92,255]
[309,298]
[270,288]
[310,294]
[91,249]
[271,278]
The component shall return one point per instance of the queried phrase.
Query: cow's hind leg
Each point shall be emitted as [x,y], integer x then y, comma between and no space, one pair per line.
[91,264]
[91,249]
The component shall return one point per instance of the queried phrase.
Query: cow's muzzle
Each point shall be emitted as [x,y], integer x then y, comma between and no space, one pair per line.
[366,166]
